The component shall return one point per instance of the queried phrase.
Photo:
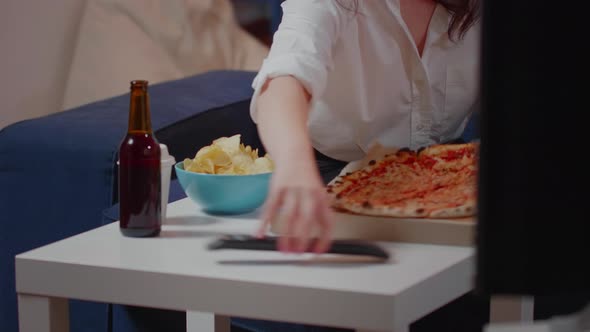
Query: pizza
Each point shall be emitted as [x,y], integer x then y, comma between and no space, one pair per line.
[438,181]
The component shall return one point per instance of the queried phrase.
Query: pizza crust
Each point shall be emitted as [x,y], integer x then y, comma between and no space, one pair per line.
[442,149]
[467,209]
[383,211]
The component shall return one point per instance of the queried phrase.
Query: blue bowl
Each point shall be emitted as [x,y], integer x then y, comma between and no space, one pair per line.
[224,194]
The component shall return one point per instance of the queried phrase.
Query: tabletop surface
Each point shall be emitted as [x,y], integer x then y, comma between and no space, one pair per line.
[181,249]
[180,254]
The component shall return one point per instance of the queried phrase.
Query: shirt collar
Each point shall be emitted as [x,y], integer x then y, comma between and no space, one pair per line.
[439,23]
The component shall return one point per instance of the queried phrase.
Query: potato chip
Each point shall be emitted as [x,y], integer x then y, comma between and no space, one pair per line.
[231,145]
[242,163]
[218,156]
[201,166]
[261,165]
[226,155]
[226,170]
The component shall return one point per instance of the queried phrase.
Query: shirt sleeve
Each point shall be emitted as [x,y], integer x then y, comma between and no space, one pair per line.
[302,46]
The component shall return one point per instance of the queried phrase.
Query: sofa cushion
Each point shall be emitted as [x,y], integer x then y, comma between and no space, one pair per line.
[171,39]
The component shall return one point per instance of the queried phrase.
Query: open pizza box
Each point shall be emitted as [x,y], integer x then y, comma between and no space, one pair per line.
[457,231]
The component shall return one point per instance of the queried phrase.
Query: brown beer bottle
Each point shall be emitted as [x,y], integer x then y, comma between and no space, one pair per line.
[139,170]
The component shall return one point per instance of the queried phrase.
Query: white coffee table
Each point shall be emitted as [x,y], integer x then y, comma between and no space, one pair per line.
[176,271]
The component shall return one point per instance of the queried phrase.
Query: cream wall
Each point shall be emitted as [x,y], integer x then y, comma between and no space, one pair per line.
[37,40]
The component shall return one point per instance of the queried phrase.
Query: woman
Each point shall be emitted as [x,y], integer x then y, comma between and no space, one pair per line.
[342,75]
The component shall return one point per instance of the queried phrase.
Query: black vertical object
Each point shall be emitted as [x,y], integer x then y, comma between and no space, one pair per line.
[533,234]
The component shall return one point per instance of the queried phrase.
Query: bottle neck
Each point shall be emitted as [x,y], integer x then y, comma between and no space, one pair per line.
[139,112]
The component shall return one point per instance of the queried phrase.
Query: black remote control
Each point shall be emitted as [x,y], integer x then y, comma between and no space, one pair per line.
[344,247]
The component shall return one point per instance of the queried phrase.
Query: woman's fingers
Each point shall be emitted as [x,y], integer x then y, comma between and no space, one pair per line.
[289,213]
[307,217]
[270,211]
[302,212]
[314,214]
[326,223]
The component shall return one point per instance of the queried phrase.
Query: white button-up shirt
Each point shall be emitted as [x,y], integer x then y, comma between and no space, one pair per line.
[367,79]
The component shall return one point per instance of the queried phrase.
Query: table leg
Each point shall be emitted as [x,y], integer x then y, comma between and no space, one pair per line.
[206,322]
[511,309]
[42,314]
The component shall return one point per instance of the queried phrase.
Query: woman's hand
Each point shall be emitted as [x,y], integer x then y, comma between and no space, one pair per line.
[298,196]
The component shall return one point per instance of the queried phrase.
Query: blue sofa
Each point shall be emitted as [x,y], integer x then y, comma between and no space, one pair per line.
[57,175]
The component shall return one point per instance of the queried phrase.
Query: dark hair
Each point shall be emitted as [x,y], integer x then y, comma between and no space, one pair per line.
[464,13]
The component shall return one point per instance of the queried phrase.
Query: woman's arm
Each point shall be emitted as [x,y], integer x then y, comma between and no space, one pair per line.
[283,108]
[296,70]
[297,192]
